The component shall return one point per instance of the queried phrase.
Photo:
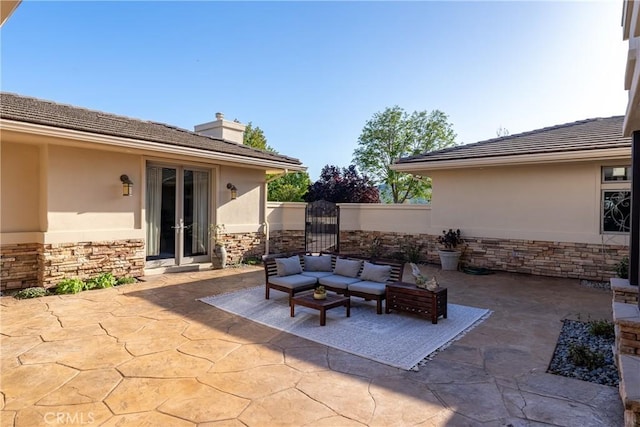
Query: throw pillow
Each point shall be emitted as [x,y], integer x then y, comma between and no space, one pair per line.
[288,266]
[375,273]
[317,263]
[347,267]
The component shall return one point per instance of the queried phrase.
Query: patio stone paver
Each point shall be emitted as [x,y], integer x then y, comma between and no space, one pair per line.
[249,356]
[254,382]
[166,364]
[151,354]
[91,414]
[91,352]
[86,387]
[289,407]
[24,385]
[343,395]
[150,419]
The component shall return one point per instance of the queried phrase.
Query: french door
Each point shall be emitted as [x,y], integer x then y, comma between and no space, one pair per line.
[177,215]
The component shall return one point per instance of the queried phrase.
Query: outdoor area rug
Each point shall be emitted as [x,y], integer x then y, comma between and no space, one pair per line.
[399,340]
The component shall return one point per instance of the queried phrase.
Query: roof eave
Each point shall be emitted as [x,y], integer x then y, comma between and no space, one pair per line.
[421,166]
[271,166]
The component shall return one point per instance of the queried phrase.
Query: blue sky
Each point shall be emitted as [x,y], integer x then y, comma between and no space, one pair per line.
[310,74]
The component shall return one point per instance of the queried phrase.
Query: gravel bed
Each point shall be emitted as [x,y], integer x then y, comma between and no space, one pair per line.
[596,284]
[577,333]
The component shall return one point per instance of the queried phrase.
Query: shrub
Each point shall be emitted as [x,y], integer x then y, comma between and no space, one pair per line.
[581,355]
[125,281]
[601,328]
[105,280]
[450,239]
[70,286]
[622,268]
[412,252]
[31,293]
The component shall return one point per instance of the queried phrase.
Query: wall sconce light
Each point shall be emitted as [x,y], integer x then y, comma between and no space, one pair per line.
[234,190]
[127,185]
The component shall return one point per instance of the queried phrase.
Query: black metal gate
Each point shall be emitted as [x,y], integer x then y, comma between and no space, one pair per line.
[322,227]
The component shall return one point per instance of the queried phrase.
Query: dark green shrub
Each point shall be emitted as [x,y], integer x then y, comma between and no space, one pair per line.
[31,293]
[581,355]
[125,281]
[601,328]
[622,268]
[70,286]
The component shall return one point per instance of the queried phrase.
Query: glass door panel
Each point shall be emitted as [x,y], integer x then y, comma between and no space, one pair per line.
[177,216]
[196,213]
[161,214]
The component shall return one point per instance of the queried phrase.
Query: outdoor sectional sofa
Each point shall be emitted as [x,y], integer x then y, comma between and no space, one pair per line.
[348,275]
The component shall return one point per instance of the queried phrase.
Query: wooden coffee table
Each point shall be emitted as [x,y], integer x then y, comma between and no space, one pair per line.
[332,301]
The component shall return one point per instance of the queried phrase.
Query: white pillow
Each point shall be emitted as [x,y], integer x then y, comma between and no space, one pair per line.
[288,266]
[317,263]
[375,273]
[347,267]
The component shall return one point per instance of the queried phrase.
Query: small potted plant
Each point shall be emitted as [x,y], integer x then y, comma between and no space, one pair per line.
[320,293]
[449,255]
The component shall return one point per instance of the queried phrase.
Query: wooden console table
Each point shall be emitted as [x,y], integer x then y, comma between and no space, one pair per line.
[422,302]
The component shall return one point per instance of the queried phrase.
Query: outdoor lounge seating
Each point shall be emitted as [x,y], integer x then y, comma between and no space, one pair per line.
[347,275]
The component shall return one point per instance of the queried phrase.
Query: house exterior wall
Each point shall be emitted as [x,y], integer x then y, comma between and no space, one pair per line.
[564,240]
[85,193]
[549,202]
[20,187]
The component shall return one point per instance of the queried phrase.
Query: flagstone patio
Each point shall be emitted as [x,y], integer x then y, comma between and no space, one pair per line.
[150,354]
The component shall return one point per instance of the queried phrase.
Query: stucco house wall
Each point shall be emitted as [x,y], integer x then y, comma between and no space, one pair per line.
[531,202]
[63,213]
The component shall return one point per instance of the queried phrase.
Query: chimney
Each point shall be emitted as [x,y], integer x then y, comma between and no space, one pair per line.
[222,129]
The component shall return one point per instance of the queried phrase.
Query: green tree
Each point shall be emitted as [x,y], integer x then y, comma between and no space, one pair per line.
[392,134]
[290,187]
[254,137]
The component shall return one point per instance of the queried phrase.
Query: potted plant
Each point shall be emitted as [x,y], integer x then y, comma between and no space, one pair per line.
[320,293]
[449,255]
[219,252]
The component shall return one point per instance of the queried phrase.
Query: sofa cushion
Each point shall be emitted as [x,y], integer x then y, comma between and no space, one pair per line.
[375,273]
[347,267]
[317,274]
[373,288]
[317,263]
[288,266]
[337,281]
[293,281]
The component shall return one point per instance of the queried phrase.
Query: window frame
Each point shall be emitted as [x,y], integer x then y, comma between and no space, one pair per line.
[623,185]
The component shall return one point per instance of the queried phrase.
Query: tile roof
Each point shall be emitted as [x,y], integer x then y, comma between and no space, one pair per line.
[41,112]
[589,134]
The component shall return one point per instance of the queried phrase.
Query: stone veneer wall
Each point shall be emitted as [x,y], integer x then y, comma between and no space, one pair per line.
[286,241]
[19,265]
[560,259]
[89,259]
[626,317]
[243,246]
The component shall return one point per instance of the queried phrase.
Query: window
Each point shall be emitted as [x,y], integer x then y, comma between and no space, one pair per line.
[616,199]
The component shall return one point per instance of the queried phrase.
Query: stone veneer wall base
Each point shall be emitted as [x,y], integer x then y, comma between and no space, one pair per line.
[19,265]
[558,259]
[626,318]
[37,264]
